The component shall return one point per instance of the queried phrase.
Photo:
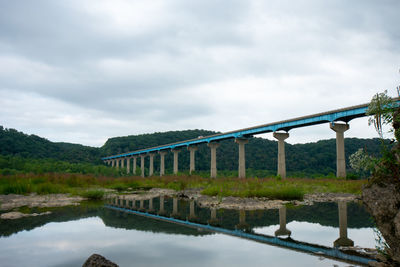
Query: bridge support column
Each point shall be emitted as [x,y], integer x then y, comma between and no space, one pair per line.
[242,156]
[213,170]
[128,165]
[151,205]
[151,168]
[340,128]
[141,205]
[281,153]
[192,214]
[192,150]
[213,220]
[142,164]
[122,163]
[117,163]
[161,211]
[175,151]
[343,240]
[242,220]
[134,165]
[112,163]
[162,162]
[175,212]
[282,223]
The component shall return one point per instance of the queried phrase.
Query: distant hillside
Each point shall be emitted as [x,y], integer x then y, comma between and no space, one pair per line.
[261,154]
[15,143]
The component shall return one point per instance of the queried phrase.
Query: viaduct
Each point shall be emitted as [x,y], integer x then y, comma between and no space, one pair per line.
[338,121]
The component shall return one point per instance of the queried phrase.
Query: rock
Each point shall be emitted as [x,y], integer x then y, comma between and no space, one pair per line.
[13,201]
[383,203]
[16,215]
[97,260]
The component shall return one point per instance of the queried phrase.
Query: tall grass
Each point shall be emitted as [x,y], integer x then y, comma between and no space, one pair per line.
[272,188]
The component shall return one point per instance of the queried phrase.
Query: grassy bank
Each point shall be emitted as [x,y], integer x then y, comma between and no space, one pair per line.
[91,186]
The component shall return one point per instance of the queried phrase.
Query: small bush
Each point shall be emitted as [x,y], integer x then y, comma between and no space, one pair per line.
[93,194]
[119,187]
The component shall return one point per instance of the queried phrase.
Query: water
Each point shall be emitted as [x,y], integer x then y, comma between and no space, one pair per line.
[68,236]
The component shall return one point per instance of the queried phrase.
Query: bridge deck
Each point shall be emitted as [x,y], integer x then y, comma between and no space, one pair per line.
[343,114]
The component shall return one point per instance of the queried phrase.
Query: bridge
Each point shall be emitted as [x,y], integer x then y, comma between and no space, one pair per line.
[338,121]
[128,204]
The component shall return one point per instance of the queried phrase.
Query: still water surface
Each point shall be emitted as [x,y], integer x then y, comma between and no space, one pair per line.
[70,235]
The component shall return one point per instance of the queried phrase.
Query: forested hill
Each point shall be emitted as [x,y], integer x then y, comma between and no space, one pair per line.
[15,143]
[261,154]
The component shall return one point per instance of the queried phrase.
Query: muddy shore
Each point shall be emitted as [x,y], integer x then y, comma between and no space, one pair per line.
[237,202]
[9,204]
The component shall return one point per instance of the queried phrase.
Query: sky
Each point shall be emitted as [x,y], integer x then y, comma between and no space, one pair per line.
[86,71]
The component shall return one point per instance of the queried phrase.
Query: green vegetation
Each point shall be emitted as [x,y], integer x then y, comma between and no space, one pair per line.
[90,186]
[384,111]
[10,165]
[29,153]
[16,143]
[93,194]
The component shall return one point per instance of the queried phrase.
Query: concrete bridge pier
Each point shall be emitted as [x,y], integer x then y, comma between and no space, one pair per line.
[133,203]
[117,163]
[162,162]
[126,205]
[192,214]
[161,211]
[343,240]
[128,165]
[134,165]
[141,205]
[112,163]
[175,212]
[175,151]
[282,231]
[242,156]
[122,160]
[242,220]
[213,147]
[213,220]
[281,152]
[151,209]
[340,128]
[142,164]
[192,150]
[151,167]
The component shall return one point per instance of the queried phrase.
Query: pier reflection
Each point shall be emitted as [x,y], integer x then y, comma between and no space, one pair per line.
[282,231]
[343,240]
[235,222]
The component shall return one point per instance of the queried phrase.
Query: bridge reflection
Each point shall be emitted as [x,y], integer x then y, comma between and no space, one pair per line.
[214,222]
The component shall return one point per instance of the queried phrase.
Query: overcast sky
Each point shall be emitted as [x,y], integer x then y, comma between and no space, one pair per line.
[85,71]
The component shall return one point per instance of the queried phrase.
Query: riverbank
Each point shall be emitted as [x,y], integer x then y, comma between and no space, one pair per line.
[57,190]
[271,188]
[11,205]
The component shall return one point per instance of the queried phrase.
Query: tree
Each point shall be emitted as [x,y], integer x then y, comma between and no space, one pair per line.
[383,111]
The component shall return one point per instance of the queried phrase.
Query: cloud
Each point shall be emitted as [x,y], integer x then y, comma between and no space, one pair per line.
[172,65]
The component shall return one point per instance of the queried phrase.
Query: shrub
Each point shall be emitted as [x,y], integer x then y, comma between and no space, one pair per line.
[93,194]
[119,187]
